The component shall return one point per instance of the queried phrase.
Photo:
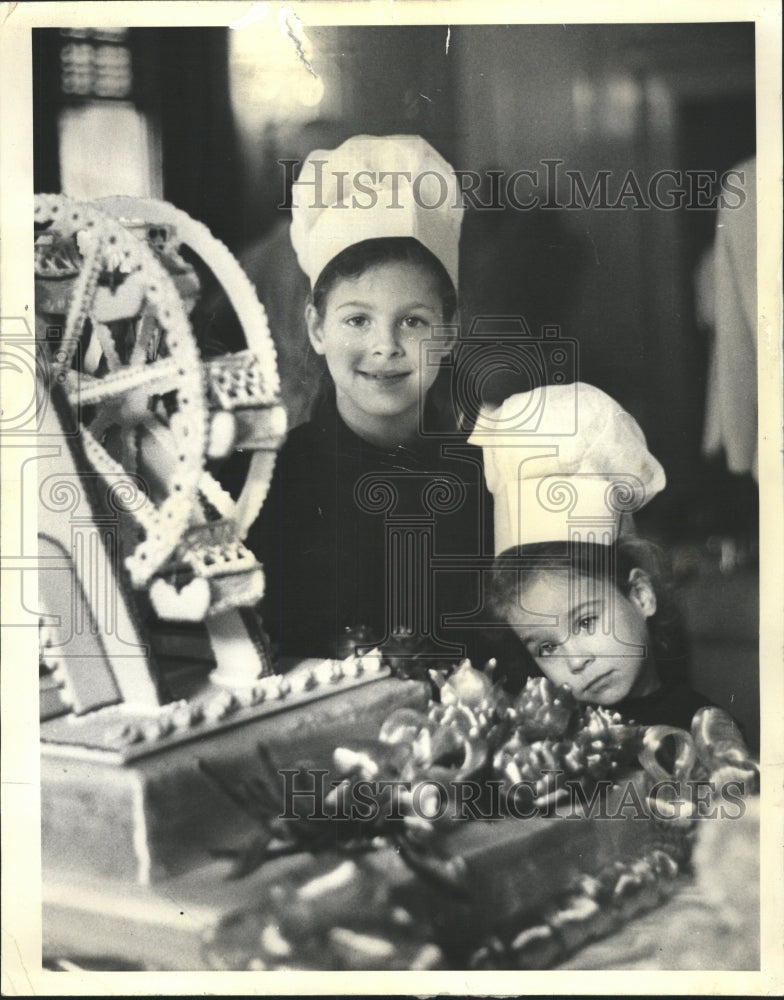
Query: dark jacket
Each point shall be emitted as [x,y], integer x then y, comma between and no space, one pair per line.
[354,535]
[673,704]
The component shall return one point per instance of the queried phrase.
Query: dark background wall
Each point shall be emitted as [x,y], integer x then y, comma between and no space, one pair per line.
[614,98]
[639,98]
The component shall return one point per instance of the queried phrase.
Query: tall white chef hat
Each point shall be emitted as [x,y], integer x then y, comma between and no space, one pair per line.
[372,187]
[563,463]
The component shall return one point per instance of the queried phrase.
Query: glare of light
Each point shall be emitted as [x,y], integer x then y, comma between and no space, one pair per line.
[271,71]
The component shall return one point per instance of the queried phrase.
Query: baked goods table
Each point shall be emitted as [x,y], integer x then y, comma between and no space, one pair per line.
[616,888]
[141,784]
[711,922]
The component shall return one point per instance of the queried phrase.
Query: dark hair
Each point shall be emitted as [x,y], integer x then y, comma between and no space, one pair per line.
[360,257]
[515,568]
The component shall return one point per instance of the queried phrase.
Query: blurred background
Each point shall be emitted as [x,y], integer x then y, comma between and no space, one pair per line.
[202,117]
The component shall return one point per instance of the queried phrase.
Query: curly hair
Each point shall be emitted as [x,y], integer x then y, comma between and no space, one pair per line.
[517,567]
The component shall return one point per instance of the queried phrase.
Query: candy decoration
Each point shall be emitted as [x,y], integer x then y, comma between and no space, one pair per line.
[538,742]
[542,710]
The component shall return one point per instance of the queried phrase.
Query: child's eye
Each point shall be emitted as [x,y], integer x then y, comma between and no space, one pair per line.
[358,322]
[547,649]
[415,322]
[588,624]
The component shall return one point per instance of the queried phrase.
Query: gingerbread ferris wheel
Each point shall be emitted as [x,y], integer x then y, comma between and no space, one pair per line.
[114,280]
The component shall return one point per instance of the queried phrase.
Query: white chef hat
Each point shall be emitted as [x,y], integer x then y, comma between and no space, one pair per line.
[372,187]
[563,463]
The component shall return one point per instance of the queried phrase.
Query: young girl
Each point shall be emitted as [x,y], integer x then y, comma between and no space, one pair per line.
[601,623]
[591,607]
[370,527]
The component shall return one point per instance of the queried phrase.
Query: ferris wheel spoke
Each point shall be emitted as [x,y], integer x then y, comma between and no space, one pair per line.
[158,410]
[158,377]
[216,495]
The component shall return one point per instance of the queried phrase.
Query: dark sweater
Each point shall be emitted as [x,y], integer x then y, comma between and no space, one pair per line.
[673,704]
[354,535]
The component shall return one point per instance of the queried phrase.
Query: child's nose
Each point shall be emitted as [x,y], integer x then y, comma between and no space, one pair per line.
[577,658]
[386,342]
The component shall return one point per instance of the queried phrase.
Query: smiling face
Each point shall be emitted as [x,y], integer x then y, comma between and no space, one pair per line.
[587,634]
[370,335]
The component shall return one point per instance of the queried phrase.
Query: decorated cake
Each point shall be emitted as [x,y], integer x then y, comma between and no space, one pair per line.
[487,832]
[201,810]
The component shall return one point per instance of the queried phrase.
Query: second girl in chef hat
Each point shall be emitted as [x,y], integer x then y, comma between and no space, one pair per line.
[376,227]
[588,601]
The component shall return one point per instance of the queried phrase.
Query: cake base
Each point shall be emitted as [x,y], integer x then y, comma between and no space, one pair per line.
[361,911]
[145,811]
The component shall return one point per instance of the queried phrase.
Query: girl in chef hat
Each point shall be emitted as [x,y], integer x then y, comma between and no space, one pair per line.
[588,601]
[375,226]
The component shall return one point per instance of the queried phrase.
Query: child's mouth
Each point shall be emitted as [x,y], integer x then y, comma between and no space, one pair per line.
[385,378]
[599,683]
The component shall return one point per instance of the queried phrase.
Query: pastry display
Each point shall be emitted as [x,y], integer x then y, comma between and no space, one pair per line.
[371,811]
[137,530]
[506,833]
